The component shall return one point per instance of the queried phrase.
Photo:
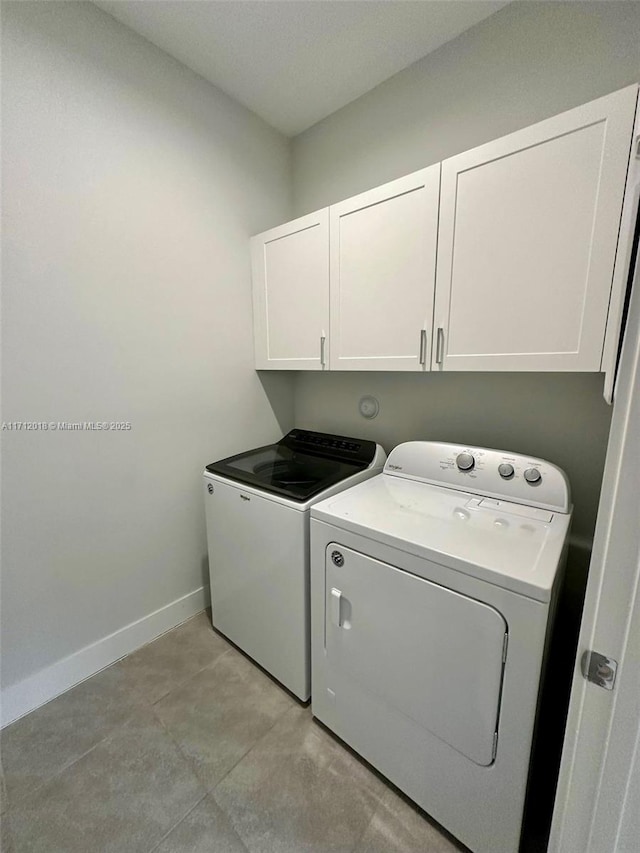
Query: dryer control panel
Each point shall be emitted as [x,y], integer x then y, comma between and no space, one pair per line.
[492,473]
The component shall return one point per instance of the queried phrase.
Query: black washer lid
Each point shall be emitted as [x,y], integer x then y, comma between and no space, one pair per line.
[299,466]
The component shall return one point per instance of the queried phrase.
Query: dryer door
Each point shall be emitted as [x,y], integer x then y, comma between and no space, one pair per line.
[432,654]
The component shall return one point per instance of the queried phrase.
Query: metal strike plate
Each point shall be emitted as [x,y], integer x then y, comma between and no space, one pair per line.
[599,670]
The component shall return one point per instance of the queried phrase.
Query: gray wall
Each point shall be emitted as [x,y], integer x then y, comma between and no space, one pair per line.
[525,63]
[130,189]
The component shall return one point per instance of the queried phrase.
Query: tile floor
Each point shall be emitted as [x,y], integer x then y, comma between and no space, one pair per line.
[186,747]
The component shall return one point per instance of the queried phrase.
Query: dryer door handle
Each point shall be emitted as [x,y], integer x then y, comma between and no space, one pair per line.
[336,607]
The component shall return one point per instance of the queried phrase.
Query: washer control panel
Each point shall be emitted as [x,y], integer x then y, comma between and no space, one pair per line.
[481,471]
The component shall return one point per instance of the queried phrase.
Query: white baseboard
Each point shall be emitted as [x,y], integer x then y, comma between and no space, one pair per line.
[27,695]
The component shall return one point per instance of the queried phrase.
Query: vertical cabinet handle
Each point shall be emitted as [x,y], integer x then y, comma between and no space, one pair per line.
[336,607]
[322,343]
[440,345]
[423,346]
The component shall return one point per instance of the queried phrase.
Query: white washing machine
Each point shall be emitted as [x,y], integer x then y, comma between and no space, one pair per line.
[432,592]
[257,508]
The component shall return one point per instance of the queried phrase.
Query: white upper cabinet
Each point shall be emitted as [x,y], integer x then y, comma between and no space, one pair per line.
[383,260]
[290,266]
[527,243]
[532,242]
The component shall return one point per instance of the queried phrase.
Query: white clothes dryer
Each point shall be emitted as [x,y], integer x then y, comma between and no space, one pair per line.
[432,591]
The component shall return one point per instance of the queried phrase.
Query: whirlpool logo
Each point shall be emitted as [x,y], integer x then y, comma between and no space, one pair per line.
[395,467]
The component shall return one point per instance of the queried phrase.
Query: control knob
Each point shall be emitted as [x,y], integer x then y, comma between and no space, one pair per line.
[505,470]
[532,476]
[465,461]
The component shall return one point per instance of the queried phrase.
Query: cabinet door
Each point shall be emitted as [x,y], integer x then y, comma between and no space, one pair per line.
[383,256]
[290,266]
[527,241]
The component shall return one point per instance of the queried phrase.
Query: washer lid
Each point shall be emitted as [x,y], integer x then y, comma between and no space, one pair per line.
[301,465]
[506,544]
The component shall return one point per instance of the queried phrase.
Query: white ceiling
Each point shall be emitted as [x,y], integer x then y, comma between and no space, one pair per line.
[293,62]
